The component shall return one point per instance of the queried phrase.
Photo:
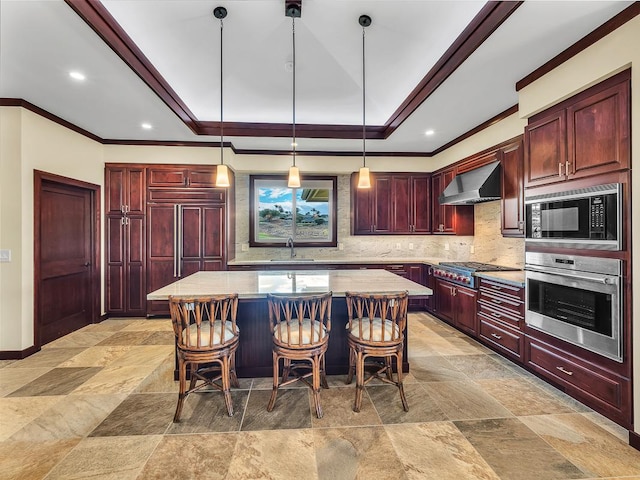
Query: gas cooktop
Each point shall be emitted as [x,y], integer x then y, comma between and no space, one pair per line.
[462,273]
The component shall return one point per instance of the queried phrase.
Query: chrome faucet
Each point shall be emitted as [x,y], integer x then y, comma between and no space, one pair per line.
[290,245]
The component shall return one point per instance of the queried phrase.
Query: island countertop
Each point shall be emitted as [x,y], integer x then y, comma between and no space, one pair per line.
[257,284]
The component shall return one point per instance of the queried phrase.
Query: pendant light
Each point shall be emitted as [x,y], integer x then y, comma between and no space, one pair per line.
[293,11]
[222,172]
[364,180]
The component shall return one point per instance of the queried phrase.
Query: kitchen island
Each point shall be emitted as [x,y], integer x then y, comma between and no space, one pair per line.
[253,358]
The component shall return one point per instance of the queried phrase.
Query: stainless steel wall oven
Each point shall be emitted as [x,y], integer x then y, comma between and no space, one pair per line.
[577,299]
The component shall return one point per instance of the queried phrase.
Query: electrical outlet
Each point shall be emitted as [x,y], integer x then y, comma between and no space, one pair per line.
[245,247]
[446,247]
[340,246]
[398,246]
[411,246]
[5,256]
[472,249]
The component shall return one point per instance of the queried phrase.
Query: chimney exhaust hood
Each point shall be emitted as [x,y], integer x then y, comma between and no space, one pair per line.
[478,185]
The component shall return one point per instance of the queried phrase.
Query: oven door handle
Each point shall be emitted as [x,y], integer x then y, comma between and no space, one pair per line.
[603,279]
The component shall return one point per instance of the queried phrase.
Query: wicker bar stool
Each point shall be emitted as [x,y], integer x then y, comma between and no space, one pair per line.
[376,329]
[206,333]
[300,325]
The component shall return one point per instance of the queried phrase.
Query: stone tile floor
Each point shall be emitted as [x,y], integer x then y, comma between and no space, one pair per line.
[98,403]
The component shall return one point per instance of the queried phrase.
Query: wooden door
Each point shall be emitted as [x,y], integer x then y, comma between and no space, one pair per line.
[202,238]
[66,256]
[512,201]
[465,306]
[420,199]
[546,152]
[598,132]
[361,204]
[161,252]
[401,204]
[382,200]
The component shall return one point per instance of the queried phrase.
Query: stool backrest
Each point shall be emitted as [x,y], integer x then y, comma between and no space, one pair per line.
[204,322]
[367,310]
[300,320]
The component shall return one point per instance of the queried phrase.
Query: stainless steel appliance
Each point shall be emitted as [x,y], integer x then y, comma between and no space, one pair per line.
[462,273]
[582,218]
[577,299]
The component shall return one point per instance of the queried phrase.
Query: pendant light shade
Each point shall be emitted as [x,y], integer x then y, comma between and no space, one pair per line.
[222,172]
[364,179]
[293,10]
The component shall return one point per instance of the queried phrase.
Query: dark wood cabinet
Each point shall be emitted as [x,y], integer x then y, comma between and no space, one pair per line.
[501,317]
[125,190]
[585,135]
[512,199]
[125,245]
[181,176]
[448,219]
[456,305]
[395,204]
[429,281]
[182,239]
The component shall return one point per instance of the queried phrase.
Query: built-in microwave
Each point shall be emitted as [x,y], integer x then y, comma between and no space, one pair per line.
[588,218]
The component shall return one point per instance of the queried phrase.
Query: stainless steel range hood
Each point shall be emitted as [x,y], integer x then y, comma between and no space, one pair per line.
[479,185]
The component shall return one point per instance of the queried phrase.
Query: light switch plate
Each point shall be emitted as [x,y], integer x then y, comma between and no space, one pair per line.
[5,256]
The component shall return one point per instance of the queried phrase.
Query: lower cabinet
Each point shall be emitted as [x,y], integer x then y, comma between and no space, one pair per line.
[456,305]
[604,391]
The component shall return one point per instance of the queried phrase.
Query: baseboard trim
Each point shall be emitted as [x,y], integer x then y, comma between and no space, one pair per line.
[18,354]
[634,439]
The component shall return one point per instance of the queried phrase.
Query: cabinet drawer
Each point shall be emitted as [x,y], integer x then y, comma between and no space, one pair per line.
[502,304]
[504,316]
[502,337]
[591,382]
[509,291]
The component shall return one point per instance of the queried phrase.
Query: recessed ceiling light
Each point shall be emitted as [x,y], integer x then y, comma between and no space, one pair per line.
[77,75]
[294,144]
[429,132]
[146,126]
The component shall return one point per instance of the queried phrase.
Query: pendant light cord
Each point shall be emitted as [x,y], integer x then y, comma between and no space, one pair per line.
[293,36]
[221,97]
[364,155]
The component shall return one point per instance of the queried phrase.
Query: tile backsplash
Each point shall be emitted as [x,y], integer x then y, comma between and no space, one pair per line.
[487,245]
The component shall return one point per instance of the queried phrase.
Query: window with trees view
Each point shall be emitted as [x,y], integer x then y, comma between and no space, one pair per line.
[306,214]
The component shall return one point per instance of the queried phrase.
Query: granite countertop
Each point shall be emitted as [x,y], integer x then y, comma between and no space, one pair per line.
[256,284]
[515,277]
[338,260]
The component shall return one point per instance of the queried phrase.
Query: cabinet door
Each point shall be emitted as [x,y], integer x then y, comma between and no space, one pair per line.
[420,203]
[202,238]
[401,204]
[415,274]
[167,177]
[598,132]
[430,302]
[135,270]
[512,201]
[161,248]
[125,190]
[361,203]
[202,177]
[116,279]
[465,308]
[443,215]
[381,207]
[546,153]
[445,300]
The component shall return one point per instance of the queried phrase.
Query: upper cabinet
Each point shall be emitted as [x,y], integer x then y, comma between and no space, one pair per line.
[125,190]
[585,135]
[512,199]
[448,219]
[395,204]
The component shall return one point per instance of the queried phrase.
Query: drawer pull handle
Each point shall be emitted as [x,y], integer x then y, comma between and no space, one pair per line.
[496,336]
[563,370]
[495,287]
[496,301]
[496,314]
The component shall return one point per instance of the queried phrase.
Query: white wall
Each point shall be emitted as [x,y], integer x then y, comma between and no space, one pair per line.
[31,142]
[614,53]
